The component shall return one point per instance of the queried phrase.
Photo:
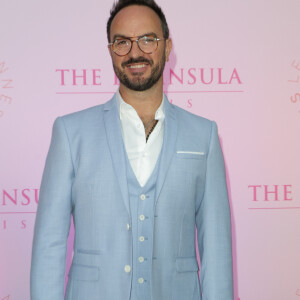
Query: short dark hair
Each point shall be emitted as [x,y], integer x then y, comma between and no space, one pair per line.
[149,3]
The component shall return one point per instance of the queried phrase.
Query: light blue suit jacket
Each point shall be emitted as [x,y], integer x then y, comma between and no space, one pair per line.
[85,176]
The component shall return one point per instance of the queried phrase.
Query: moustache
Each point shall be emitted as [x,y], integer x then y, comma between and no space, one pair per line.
[137,60]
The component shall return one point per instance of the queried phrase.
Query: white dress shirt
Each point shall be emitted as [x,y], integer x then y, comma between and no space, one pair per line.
[142,155]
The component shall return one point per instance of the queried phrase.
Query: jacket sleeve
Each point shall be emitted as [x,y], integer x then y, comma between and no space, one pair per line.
[53,219]
[214,228]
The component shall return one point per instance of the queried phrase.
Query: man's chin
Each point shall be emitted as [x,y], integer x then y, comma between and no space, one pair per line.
[138,87]
[137,84]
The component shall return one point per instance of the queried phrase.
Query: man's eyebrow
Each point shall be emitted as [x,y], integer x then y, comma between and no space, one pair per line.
[117,36]
[149,33]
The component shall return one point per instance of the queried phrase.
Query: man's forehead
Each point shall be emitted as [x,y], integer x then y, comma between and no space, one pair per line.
[136,20]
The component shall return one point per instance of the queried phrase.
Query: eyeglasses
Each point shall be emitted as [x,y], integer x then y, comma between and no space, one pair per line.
[147,44]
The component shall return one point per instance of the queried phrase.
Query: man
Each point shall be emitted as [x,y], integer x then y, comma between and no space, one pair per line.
[136,184]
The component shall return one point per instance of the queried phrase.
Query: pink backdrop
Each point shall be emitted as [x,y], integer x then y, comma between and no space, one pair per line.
[236,62]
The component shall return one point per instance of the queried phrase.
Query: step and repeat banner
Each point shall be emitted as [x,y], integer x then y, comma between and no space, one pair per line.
[235,62]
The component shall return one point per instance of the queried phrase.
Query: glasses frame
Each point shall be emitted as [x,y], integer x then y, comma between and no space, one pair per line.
[134,39]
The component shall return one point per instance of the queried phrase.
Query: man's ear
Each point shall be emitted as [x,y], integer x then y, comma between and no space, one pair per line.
[168,48]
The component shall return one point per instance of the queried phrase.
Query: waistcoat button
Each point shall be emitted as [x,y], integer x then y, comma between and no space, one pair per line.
[141,280]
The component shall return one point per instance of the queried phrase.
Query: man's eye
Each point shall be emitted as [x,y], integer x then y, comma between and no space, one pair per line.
[121,42]
[148,40]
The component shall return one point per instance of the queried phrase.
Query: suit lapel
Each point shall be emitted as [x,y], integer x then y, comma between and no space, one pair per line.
[168,148]
[116,146]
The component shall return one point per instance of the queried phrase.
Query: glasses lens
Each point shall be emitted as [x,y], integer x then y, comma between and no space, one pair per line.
[148,44]
[121,46]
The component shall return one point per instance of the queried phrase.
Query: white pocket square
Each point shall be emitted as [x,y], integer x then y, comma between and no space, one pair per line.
[191,152]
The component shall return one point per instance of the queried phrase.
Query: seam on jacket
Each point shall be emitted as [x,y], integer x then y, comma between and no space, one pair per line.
[71,156]
[208,155]
[181,229]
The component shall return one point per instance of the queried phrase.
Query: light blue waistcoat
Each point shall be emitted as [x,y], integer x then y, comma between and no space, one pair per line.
[142,222]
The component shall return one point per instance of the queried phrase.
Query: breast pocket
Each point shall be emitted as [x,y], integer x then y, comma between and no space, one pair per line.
[189,163]
[191,155]
[186,177]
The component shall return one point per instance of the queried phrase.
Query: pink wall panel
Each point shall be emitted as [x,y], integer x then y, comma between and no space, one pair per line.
[235,62]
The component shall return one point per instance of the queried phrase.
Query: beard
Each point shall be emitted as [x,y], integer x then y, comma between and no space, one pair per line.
[140,83]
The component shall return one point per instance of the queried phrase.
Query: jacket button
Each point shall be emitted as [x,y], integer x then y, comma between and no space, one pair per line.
[141,238]
[128,226]
[142,217]
[141,259]
[127,268]
[143,197]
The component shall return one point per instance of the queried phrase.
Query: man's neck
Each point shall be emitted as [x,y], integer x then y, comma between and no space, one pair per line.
[146,102]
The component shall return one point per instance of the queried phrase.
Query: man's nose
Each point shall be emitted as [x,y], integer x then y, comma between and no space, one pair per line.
[135,49]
